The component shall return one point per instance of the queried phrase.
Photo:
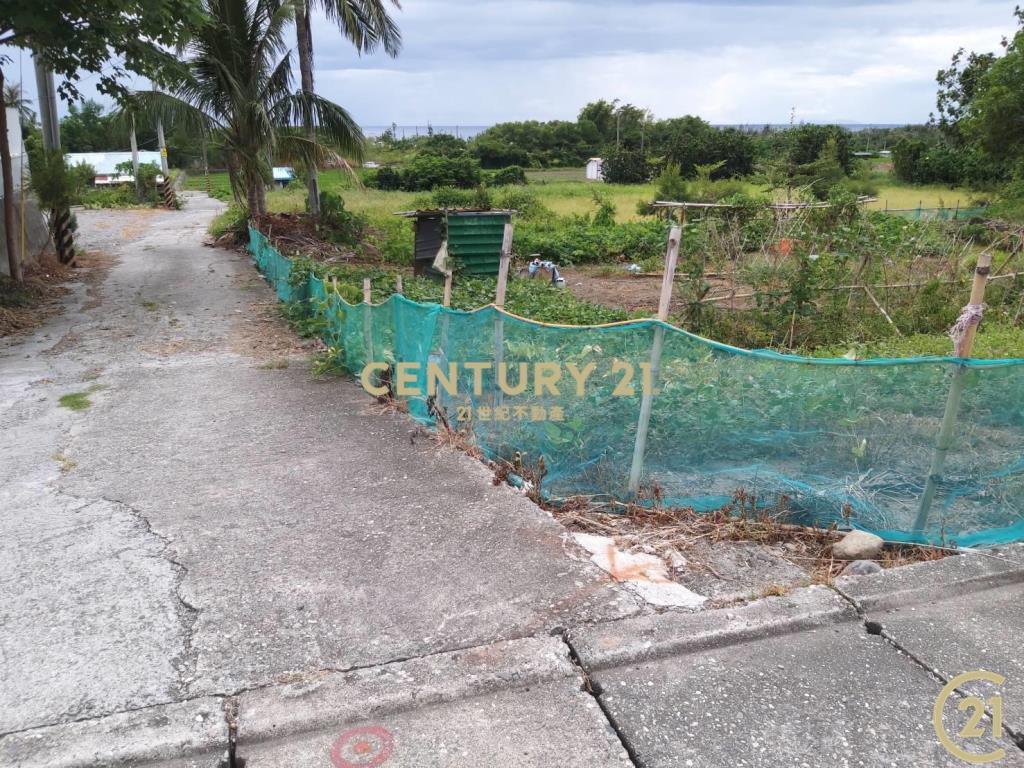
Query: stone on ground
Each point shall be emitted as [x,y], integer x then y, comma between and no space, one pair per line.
[858,545]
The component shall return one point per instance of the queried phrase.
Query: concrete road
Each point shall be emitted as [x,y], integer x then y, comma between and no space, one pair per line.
[218,520]
[217,558]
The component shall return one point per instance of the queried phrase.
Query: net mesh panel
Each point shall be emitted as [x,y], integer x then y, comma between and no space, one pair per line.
[846,441]
[936,214]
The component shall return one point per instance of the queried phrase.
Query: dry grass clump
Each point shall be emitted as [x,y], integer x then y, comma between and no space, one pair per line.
[24,306]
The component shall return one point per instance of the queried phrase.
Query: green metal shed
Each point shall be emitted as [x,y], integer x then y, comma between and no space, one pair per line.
[474,238]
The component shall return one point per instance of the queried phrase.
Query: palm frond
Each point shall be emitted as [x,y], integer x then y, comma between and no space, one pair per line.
[365,23]
[329,120]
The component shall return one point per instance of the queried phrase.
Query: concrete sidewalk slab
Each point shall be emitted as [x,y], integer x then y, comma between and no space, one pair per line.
[552,724]
[651,637]
[212,524]
[189,734]
[314,535]
[830,696]
[511,703]
[956,615]
[322,701]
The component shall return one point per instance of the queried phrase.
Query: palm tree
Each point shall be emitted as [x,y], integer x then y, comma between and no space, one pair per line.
[239,94]
[366,24]
[13,97]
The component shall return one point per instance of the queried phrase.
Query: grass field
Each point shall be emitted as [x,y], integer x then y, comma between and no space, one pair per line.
[564,191]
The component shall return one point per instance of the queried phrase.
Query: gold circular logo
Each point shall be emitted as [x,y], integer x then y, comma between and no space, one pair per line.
[974,727]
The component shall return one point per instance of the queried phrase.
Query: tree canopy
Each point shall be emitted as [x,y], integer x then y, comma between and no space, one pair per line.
[109,37]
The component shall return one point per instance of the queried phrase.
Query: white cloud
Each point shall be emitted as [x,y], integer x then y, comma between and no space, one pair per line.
[739,61]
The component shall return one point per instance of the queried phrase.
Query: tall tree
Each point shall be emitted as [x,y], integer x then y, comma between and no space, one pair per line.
[107,37]
[992,112]
[238,91]
[8,192]
[14,97]
[367,25]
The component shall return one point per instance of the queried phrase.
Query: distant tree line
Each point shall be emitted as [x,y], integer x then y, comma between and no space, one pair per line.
[634,145]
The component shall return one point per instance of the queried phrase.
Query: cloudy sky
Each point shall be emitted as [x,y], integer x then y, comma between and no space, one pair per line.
[477,62]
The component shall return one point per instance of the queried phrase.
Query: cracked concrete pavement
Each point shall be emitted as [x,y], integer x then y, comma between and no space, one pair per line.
[224,559]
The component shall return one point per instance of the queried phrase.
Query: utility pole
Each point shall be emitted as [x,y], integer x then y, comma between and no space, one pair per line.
[60,218]
[47,106]
[135,156]
[163,147]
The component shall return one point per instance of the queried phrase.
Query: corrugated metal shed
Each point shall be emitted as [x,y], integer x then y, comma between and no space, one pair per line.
[474,238]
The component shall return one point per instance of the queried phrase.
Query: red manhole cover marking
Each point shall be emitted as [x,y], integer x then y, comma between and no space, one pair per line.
[364,747]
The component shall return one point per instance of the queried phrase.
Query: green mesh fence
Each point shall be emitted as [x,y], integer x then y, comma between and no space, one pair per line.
[937,214]
[845,441]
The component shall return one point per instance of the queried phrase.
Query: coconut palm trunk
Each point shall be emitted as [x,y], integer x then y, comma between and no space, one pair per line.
[304,33]
[366,24]
[239,93]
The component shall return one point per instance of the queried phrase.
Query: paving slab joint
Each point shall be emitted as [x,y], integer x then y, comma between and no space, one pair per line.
[593,689]
[231,718]
[876,628]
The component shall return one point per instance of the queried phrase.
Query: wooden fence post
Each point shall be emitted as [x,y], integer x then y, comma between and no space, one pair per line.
[647,398]
[367,320]
[956,389]
[499,303]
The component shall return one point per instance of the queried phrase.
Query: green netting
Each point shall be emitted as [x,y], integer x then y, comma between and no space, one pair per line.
[272,265]
[937,214]
[841,440]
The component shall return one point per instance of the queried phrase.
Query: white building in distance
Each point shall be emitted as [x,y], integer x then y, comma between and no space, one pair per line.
[105,164]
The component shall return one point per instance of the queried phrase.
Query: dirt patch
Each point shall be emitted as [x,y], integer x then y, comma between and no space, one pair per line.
[735,553]
[261,332]
[26,306]
[641,292]
[297,235]
[177,347]
[133,229]
[97,266]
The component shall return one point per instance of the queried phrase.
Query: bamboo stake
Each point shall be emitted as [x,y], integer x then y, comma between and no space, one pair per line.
[882,310]
[443,341]
[499,302]
[956,389]
[367,321]
[396,317]
[647,399]
[506,257]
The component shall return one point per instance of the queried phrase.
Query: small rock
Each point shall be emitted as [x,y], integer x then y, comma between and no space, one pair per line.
[862,568]
[858,545]
[675,559]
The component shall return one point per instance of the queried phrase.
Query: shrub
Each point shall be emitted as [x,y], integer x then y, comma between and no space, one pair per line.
[233,220]
[427,172]
[524,202]
[452,197]
[386,178]
[671,185]
[82,176]
[392,239]
[338,224]
[51,180]
[514,174]
[626,166]
[114,196]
